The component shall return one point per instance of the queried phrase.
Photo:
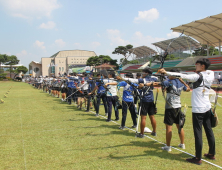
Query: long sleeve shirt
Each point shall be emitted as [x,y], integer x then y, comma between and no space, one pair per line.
[200,95]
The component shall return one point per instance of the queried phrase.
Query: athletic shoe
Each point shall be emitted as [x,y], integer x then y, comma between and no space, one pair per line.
[97,114]
[90,107]
[139,135]
[194,161]
[106,114]
[116,119]
[78,106]
[87,111]
[108,120]
[122,127]
[154,134]
[209,156]
[134,126]
[166,148]
[182,146]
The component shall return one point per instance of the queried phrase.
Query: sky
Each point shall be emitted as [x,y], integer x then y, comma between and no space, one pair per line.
[32,29]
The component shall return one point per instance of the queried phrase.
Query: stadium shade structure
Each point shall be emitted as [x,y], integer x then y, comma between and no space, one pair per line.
[183,43]
[142,51]
[206,31]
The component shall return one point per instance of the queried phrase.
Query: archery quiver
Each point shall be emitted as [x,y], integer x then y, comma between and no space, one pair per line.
[118,103]
[182,119]
[213,119]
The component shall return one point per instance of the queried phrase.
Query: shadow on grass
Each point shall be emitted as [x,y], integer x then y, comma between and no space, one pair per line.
[75,120]
[96,118]
[156,151]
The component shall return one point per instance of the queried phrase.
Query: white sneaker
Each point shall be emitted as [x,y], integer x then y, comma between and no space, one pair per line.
[167,148]
[182,146]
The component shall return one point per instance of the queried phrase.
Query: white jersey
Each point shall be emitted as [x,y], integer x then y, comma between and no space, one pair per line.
[111,88]
[200,98]
[84,86]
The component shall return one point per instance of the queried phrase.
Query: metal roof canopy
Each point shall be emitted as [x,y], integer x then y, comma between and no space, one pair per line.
[206,31]
[142,51]
[182,43]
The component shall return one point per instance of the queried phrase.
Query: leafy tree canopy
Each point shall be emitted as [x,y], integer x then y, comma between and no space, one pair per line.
[12,60]
[202,51]
[98,60]
[22,69]
[3,58]
[123,50]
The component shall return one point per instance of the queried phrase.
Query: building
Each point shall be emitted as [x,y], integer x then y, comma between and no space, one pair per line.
[60,63]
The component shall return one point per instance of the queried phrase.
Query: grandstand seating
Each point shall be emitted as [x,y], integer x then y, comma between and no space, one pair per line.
[215,60]
[134,67]
[167,64]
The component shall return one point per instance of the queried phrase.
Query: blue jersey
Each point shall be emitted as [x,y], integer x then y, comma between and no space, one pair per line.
[127,91]
[148,97]
[101,89]
[71,83]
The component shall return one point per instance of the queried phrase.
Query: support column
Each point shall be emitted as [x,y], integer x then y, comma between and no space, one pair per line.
[207,49]
[219,47]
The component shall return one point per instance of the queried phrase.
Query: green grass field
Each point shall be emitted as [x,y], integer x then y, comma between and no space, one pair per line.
[38,132]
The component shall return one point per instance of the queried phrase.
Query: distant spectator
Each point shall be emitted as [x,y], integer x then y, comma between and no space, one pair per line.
[219,78]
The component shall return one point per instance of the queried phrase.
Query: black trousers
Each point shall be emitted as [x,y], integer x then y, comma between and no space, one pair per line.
[111,101]
[200,119]
[125,106]
[69,92]
[103,97]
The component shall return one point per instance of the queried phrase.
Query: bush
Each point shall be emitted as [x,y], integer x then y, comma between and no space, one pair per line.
[9,78]
[3,75]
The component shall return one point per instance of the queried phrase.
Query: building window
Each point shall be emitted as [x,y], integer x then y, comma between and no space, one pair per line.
[53,70]
[62,68]
[59,69]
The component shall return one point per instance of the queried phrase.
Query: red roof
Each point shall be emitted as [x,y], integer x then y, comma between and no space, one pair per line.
[105,65]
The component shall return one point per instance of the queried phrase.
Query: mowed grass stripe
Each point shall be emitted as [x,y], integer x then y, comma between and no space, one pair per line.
[58,136]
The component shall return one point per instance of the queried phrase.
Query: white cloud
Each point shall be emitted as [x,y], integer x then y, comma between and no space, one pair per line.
[173,35]
[48,25]
[77,45]
[22,53]
[60,43]
[147,16]
[29,9]
[39,44]
[98,35]
[115,37]
[95,44]
[139,40]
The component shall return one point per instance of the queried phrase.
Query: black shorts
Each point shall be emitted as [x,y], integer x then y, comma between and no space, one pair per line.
[172,116]
[85,93]
[147,107]
[78,94]
[56,88]
[63,90]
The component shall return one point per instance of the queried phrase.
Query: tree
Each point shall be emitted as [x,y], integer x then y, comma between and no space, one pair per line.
[93,61]
[123,50]
[202,51]
[3,59]
[98,60]
[22,69]
[11,60]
